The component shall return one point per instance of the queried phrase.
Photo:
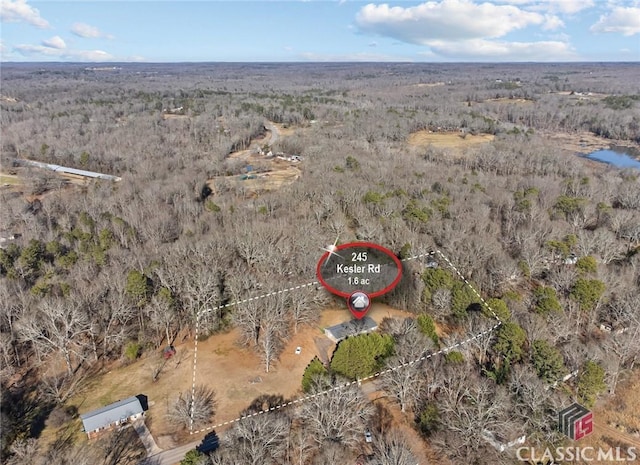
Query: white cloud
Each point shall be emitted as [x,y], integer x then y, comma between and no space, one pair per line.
[469,30]
[445,20]
[5,52]
[88,32]
[55,42]
[30,50]
[552,22]
[39,51]
[15,11]
[552,6]
[480,49]
[92,55]
[621,20]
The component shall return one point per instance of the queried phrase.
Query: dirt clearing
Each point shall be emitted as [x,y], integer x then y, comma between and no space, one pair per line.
[272,172]
[521,101]
[428,84]
[582,142]
[286,130]
[9,180]
[168,116]
[280,174]
[616,420]
[235,372]
[448,140]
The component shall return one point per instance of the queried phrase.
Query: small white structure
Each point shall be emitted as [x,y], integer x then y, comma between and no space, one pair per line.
[499,444]
[6,240]
[292,158]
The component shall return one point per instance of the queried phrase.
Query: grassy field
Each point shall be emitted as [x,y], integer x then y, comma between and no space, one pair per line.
[9,179]
[447,140]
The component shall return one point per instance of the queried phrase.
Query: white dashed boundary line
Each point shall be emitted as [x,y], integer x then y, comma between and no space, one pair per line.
[282,291]
[350,383]
[444,257]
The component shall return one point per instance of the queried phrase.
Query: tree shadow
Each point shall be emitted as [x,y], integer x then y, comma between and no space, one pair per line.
[209,443]
[263,402]
[24,409]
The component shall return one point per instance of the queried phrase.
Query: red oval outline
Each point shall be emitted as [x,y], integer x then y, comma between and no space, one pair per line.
[370,245]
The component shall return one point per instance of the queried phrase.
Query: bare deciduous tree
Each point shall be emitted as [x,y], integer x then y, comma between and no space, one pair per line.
[56,325]
[407,383]
[198,410]
[338,416]
[393,449]
[260,440]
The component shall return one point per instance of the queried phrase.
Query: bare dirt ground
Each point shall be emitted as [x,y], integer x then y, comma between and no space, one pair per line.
[579,94]
[281,173]
[18,183]
[617,419]
[167,116]
[520,101]
[6,98]
[429,84]
[277,174]
[286,130]
[447,140]
[236,373]
[582,142]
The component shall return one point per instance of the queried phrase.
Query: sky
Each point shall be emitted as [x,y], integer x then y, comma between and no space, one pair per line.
[320,31]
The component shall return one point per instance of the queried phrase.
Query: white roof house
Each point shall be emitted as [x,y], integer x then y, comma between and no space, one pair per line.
[112,415]
[350,328]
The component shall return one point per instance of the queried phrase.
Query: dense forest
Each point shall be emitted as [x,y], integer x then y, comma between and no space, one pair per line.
[97,274]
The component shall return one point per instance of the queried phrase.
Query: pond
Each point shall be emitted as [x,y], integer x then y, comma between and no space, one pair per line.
[620,157]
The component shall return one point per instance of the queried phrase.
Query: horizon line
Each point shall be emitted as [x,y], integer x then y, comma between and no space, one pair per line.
[112,63]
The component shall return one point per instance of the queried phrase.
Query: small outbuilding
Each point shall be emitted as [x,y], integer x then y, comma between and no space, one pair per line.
[350,328]
[106,418]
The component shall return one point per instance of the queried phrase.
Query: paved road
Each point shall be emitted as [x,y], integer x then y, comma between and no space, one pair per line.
[146,438]
[170,457]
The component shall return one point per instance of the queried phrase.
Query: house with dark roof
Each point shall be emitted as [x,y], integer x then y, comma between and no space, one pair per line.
[112,415]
